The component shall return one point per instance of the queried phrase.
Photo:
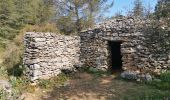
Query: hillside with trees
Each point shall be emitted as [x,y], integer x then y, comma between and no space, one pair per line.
[70,17]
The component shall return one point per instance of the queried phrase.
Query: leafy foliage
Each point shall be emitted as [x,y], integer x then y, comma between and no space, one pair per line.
[7,19]
[158,33]
[15,14]
[162,9]
[163,81]
[79,14]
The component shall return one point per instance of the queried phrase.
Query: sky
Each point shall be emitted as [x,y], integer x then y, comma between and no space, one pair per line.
[123,6]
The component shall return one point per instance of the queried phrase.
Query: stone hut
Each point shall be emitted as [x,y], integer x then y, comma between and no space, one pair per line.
[47,54]
[118,44]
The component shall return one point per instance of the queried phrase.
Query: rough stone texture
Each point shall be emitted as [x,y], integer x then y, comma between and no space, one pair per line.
[136,57]
[46,54]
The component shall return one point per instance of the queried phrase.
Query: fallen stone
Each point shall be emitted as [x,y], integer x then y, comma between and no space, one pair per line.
[129,75]
[148,77]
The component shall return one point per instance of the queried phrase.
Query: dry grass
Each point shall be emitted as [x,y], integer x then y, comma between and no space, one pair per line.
[85,86]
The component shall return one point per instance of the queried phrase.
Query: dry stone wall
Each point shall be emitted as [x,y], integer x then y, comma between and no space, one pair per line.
[137,61]
[46,54]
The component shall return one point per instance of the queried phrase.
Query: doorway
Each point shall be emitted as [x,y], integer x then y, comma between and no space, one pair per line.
[115,56]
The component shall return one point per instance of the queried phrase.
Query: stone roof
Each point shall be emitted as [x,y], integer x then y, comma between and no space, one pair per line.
[120,24]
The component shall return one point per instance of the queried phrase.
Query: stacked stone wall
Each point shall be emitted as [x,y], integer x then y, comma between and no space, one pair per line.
[136,57]
[46,54]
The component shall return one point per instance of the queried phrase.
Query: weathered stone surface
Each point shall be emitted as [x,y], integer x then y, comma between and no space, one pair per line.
[148,77]
[129,75]
[95,51]
[46,54]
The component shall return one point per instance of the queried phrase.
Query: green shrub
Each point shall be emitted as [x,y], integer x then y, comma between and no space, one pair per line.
[165,77]
[19,83]
[163,81]
[13,95]
[3,95]
[3,72]
[8,32]
[151,95]
[43,83]
[12,56]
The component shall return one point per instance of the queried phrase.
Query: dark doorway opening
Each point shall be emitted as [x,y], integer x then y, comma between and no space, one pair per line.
[115,56]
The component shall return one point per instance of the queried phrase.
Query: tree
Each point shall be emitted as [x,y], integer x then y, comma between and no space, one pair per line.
[162,9]
[15,14]
[34,11]
[7,19]
[45,11]
[148,12]
[138,8]
[81,12]
[158,33]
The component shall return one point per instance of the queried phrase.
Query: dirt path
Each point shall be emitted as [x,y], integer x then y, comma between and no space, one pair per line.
[84,86]
[90,87]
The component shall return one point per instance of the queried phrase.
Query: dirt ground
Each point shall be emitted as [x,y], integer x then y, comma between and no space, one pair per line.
[85,86]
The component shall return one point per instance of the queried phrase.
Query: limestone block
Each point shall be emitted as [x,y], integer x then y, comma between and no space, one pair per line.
[148,77]
[36,73]
[129,75]
[128,50]
[36,66]
[39,44]
[34,78]
[39,39]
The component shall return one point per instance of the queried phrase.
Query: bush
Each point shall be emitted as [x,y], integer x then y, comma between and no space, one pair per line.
[8,32]
[12,56]
[3,95]
[150,95]
[15,91]
[3,72]
[44,83]
[18,83]
[165,77]
[163,81]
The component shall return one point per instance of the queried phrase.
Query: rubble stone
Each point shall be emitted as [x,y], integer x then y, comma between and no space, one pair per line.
[49,53]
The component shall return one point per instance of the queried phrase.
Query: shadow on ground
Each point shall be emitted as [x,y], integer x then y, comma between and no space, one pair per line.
[84,86]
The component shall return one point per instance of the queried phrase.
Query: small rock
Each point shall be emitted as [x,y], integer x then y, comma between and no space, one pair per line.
[5,85]
[138,80]
[168,61]
[129,75]
[148,77]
